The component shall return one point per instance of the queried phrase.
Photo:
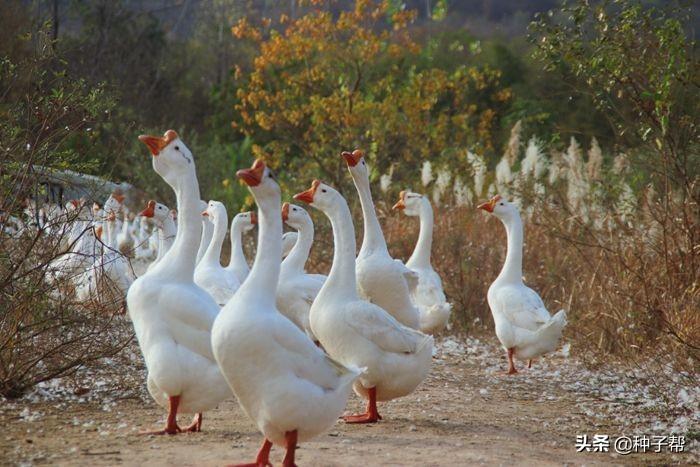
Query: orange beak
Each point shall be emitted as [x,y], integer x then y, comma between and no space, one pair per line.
[98,232]
[157,143]
[119,197]
[352,158]
[489,205]
[308,195]
[285,212]
[205,213]
[253,217]
[400,204]
[111,216]
[173,213]
[150,209]
[75,203]
[252,176]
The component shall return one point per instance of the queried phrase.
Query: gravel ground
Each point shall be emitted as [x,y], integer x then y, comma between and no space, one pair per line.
[467,412]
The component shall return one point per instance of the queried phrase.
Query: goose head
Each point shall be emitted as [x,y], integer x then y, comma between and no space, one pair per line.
[215,211]
[410,203]
[295,216]
[171,158]
[156,212]
[73,205]
[203,205]
[356,163]
[261,181]
[500,207]
[114,204]
[320,196]
[245,221]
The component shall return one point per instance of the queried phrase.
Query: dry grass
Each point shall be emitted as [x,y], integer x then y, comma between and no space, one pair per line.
[45,333]
[628,298]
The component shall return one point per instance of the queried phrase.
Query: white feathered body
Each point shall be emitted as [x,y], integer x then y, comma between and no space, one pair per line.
[430,299]
[384,282]
[173,323]
[360,334]
[522,321]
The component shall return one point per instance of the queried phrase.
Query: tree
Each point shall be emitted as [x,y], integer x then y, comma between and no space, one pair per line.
[641,70]
[48,122]
[321,83]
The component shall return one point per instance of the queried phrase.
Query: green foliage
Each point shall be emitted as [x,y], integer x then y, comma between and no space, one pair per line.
[641,71]
[48,119]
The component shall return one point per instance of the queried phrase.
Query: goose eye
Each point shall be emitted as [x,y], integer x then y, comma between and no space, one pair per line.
[323,190]
[501,204]
[177,148]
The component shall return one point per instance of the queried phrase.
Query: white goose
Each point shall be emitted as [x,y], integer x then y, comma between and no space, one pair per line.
[289,239]
[207,232]
[523,324]
[163,219]
[113,209]
[427,294]
[125,242]
[359,333]
[172,316]
[143,241]
[209,273]
[382,280]
[297,290]
[77,221]
[72,264]
[109,277]
[291,389]
[238,264]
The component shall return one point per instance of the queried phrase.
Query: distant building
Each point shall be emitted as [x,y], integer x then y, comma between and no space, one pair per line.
[60,186]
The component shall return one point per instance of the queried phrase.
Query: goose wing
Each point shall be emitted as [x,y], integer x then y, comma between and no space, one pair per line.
[307,360]
[382,329]
[522,307]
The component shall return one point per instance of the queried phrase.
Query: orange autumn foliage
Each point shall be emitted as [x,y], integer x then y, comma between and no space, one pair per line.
[322,83]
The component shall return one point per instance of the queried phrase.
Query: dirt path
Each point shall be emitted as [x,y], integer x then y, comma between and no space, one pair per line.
[466,413]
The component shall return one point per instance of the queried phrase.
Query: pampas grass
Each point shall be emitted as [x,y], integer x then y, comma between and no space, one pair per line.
[426,173]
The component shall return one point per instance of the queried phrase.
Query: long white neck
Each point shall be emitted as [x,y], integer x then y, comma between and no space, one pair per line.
[179,261]
[512,271]
[213,253]
[238,258]
[143,234]
[166,235]
[296,259]
[341,282]
[421,254]
[373,238]
[111,234]
[207,229]
[262,281]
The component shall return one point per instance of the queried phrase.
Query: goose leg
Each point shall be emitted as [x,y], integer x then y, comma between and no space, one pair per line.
[511,364]
[529,363]
[196,425]
[171,427]
[371,415]
[262,459]
[291,438]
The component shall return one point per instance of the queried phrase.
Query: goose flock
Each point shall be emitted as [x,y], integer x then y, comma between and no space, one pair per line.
[288,344]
